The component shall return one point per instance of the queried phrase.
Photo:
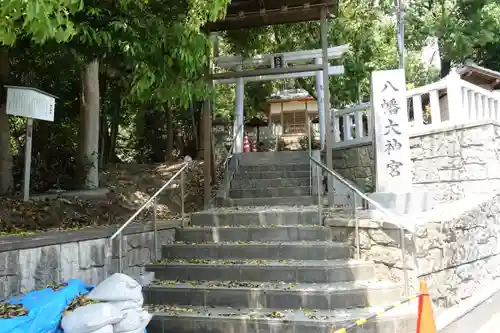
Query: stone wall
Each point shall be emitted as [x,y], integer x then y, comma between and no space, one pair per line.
[31,262]
[355,163]
[457,161]
[460,254]
[379,243]
[448,162]
[457,247]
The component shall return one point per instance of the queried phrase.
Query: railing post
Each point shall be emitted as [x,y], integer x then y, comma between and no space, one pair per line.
[155,233]
[120,254]
[403,258]
[182,198]
[356,224]
[320,187]
[310,154]
[358,122]
[455,97]
[418,113]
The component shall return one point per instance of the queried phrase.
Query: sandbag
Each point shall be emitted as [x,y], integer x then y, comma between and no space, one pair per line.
[118,287]
[131,321]
[137,331]
[45,308]
[144,319]
[89,318]
[105,329]
[126,305]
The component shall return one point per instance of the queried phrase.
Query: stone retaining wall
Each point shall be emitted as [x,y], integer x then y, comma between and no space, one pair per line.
[378,243]
[31,262]
[458,255]
[355,163]
[448,162]
[458,161]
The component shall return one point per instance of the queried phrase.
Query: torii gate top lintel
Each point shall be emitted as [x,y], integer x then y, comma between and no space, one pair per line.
[245,14]
[294,57]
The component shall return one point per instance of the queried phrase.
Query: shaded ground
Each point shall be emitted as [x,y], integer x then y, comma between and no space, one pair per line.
[130,186]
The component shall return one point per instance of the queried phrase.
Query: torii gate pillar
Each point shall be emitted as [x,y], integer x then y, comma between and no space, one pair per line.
[239,115]
[326,100]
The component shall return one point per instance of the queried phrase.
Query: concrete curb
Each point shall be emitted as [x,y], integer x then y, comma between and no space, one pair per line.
[454,314]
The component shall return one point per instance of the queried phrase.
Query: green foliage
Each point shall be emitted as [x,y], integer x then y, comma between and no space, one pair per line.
[153,55]
[368,30]
[224,101]
[461,26]
[39,20]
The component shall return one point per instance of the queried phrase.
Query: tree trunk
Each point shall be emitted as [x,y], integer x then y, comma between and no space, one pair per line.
[41,135]
[155,131]
[213,173]
[89,126]
[103,127]
[197,131]
[115,122]
[170,134]
[105,140]
[179,143]
[445,67]
[6,179]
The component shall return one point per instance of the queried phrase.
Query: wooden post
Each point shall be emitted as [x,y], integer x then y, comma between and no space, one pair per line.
[326,101]
[207,119]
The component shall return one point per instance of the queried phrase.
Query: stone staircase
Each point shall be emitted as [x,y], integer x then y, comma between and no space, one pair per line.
[266,179]
[267,269]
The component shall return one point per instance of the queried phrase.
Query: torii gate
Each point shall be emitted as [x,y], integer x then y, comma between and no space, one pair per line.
[287,59]
[244,14]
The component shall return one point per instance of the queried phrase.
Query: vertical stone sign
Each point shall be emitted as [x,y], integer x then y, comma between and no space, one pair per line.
[392,143]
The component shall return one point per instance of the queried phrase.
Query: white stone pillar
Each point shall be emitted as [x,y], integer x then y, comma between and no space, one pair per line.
[392,141]
[238,115]
[455,98]
[321,106]
[393,163]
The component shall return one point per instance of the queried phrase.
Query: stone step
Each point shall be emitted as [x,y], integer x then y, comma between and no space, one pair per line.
[248,183]
[258,250]
[278,201]
[275,167]
[271,174]
[271,192]
[279,295]
[180,319]
[306,271]
[248,234]
[272,158]
[257,216]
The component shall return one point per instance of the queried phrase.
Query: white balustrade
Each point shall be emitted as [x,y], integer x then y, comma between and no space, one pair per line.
[448,100]
[479,103]
[352,125]
[426,104]
[451,99]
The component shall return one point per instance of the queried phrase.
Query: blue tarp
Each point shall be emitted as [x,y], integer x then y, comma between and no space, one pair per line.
[45,308]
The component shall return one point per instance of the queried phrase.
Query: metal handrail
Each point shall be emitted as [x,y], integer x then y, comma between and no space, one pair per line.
[393,218]
[153,199]
[309,143]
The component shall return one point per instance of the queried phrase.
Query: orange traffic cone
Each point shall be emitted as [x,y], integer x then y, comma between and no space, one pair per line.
[246,144]
[425,320]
